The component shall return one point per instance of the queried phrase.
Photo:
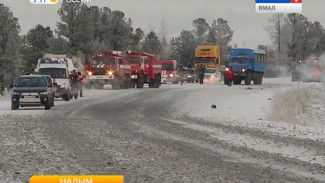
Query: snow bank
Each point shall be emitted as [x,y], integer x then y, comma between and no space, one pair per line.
[251,107]
[289,104]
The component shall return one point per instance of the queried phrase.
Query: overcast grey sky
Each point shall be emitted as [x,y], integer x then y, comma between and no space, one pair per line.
[248,26]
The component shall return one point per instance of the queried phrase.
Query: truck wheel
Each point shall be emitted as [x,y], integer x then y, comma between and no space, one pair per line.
[14,106]
[47,106]
[256,79]
[140,85]
[140,81]
[66,97]
[248,79]
[122,84]
[132,84]
[128,83]
[158,81]
[151,83]
[116,84]
[261,78]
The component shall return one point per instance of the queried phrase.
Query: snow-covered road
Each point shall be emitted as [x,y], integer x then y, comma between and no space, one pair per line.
[169,134]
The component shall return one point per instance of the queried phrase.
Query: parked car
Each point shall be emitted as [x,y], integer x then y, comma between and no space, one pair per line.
[212,74]
[31,90]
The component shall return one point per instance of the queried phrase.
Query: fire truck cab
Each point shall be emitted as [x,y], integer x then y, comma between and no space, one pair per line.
[145,68]
[169,71]
[108,67]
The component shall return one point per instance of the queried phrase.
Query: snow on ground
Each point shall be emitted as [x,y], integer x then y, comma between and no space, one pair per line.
[246,110]
[240,121]
[250,106]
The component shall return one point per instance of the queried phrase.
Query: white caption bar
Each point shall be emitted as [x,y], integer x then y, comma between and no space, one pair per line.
[278,7]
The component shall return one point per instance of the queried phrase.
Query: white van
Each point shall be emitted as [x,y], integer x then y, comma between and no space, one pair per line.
[59,68]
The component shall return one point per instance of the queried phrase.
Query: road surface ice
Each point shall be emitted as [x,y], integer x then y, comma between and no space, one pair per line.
[170,134]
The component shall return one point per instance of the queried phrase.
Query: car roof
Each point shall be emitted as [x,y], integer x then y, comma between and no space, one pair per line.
[49,66]
[31,76]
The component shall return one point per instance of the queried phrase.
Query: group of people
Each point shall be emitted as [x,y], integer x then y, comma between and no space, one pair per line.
[229,74]
[200,73]
[76,83]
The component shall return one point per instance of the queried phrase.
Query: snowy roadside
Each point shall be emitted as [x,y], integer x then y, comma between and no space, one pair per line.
[242,121]
[250,106]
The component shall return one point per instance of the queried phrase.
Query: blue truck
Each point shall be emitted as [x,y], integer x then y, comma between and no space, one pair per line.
[248,64]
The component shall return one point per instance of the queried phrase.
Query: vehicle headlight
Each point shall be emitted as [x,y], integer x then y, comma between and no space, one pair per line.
[89,73]
[243,70]
[44,93]
[16,93]
[227,69]
[212,75]
[189,76]
[110,73]
[171,75]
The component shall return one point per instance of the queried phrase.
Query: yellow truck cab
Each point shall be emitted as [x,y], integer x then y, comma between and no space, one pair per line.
[208,56]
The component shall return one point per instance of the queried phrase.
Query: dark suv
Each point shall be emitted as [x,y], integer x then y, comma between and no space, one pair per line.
[31,90]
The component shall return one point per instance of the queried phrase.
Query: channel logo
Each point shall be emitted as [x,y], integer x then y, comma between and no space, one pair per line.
[278,6]
[44,1]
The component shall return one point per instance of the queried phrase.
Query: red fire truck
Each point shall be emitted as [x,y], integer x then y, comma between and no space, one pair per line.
[146,68]
[308,70]
[108,67]
[169,73]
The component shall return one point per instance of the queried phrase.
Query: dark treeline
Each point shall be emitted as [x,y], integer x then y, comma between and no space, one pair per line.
[84,30]
[294,38]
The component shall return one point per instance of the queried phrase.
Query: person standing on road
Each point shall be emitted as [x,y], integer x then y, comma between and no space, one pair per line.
[74,84]
[230,76]
[80,79]
[201,72]
[181,73]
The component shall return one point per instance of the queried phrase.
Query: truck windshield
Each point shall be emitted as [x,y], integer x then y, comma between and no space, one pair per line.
[103,61]
[134,60]
[204,60]
[54,72]
[168,67]
[31,82]
[240,60]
